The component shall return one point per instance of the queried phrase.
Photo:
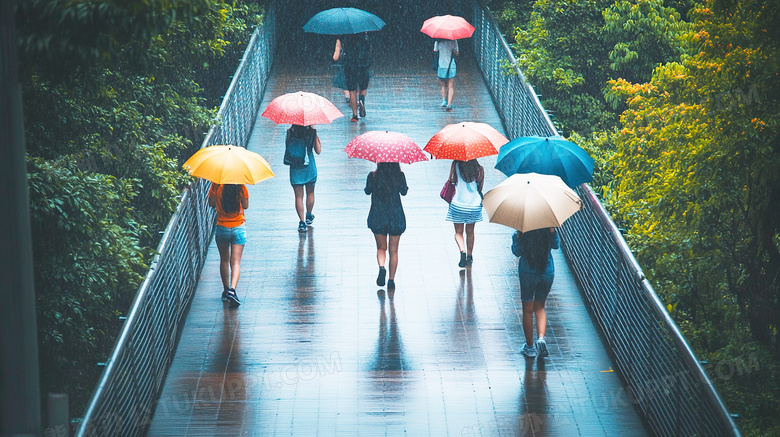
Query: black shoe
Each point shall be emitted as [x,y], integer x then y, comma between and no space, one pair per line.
[469,260]
[302,226]
[224,295]
[362,109]
[390,284]
[380,279]
[462,262]
[233,297]
[309,218]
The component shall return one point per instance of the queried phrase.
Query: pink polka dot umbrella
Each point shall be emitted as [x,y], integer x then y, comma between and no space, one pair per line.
[465,141]
[385,146]
[301,108]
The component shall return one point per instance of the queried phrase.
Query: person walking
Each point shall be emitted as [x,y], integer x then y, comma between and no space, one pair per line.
[339,80]
[230,201]
[301,144]
[354,52]
[536,271]
[466,206]
[448,50]
[386,217]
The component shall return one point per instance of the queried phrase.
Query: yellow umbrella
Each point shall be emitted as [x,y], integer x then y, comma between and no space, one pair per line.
[229,165]
[529,201]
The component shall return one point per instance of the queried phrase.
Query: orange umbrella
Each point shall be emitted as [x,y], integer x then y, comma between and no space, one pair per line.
[447,27]
[229,165]
[301,108]
[385,146]
[465,141]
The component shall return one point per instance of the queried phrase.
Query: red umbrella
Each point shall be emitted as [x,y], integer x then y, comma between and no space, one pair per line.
[385,146]
[301,108]
[465,141]
[447,27]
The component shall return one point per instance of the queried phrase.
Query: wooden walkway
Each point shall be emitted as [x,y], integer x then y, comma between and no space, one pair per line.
[318,349]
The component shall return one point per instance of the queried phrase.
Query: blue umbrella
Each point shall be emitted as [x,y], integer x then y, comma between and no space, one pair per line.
[546,155]
[343,21]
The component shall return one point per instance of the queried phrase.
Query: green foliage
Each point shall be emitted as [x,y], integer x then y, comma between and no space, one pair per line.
[645,34]
[563,53]
[88,266]
[697,167]
[112,108]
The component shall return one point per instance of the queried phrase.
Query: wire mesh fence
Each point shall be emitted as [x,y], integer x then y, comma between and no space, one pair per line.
[125,397]
[662,376]
[515,100]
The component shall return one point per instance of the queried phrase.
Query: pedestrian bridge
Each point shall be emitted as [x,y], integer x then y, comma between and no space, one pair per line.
[318,349]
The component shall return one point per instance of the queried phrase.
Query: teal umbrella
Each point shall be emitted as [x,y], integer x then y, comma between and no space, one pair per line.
[546,155]
[343,21]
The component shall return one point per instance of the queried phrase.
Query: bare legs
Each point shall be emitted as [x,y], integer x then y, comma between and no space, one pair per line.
[353,101]
[465,244]
[385,243]
[299,199]
[531,309]
[230,264]
[447,89]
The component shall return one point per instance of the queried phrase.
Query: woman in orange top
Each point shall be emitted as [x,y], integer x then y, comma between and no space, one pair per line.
[230,200]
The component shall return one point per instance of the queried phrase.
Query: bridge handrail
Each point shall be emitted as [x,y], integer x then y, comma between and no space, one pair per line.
[663,377]
[124,398]
[517,103]
[672,401]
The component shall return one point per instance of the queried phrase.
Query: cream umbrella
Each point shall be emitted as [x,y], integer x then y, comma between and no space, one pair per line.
[529,201]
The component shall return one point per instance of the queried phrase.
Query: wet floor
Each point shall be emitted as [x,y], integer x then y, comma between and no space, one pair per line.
[318,349]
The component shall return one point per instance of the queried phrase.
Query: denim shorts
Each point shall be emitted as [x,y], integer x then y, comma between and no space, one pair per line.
[235,235]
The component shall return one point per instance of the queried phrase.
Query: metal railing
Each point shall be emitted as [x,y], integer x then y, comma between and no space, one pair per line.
[662,375]
[124,399]
[516,101]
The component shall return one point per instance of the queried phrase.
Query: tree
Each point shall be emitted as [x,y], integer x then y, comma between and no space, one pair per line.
[698,184]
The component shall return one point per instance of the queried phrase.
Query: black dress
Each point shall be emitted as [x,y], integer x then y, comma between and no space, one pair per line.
[387,214]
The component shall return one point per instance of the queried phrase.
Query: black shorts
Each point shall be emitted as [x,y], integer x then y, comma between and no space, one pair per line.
[356,77]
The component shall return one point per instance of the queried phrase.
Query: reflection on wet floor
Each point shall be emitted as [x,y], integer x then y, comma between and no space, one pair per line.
[316,349]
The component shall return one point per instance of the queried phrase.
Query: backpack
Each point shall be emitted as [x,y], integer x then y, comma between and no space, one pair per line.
[296,152]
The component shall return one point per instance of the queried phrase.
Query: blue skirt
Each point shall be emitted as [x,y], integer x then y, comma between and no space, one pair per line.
[464,214]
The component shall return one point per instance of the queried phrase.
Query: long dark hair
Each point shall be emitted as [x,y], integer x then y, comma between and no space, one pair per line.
[536,247]
[229,198]
[388,175]
[469,170]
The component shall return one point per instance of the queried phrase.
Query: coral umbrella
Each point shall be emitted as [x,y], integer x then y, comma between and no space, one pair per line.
[447,27]
[301,108]
[385,146]
[531,201]
[229,164]
[465,141]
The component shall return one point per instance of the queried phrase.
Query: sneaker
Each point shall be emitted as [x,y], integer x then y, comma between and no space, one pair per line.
[541,346]
[232,297]
[529,351]
[443,103]
[362,108]
[302,226]
[309,218]
[449,106]
[462,262]
[469,260]
[224,295]
[354,119]
[380,279]
[390,284]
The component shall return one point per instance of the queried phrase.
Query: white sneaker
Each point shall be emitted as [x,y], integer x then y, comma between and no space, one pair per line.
[541,346]
[529,351]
